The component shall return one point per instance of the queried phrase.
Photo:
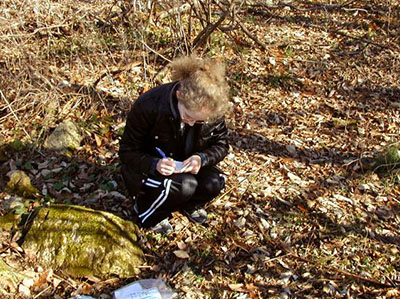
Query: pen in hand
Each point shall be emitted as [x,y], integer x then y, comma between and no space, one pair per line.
[162,154]
[179,166]
[165,166]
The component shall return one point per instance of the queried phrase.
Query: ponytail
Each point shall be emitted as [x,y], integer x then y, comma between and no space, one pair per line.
[202,83]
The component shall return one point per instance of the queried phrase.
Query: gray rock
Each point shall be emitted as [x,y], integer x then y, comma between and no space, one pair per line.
[66,135]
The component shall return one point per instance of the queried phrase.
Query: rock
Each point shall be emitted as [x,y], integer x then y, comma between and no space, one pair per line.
[66,135]
[292,150]
[20,183]
[3,154]
[84,242]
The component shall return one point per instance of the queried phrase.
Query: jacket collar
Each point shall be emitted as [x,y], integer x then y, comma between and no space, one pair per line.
[173,101]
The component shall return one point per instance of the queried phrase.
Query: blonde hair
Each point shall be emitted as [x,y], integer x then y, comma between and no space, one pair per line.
[202,85]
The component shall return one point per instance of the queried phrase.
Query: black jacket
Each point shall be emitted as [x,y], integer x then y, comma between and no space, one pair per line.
[154,121]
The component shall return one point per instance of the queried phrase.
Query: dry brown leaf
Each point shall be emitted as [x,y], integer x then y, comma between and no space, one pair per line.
[43,278]
[56,282]
[97,139]
[393,293]
[238,287]
[182,245]
[181,254]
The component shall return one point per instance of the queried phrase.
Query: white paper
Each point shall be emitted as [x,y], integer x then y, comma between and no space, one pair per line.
[135,291]
[125,291]
[179,167]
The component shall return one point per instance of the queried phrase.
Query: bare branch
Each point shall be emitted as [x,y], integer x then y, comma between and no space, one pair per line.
[206,32]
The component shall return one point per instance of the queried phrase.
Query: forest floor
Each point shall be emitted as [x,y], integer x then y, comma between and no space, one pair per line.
[315,90]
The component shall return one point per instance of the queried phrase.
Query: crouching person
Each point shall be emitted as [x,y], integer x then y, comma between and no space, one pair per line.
[182,121]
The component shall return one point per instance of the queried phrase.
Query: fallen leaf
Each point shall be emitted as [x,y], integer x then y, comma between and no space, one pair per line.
[393,293]
[301,208]
[294,178]
[97,139]
[56,282]
[239,287]
[28,282]
[24,290]
[181,254]
[43,278]
[181,245]
[239,223]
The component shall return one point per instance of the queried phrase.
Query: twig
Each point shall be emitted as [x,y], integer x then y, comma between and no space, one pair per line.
[121,15]
[14,114]
[249,34]
[232,188]
[275,258]
[366,40]
[344,272]
[35,31]
[39,294]
[155,52]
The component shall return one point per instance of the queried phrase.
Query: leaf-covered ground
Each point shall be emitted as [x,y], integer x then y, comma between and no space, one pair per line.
[315,90]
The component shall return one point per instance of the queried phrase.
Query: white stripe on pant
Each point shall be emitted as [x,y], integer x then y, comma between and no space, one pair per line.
[158,202]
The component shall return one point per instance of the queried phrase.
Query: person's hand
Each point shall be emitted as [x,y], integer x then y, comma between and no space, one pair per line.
[166,166]
[192,164]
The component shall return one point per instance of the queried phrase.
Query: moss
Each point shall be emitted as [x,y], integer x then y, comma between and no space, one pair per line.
[342,123]
[392,155]
[20,183]
[81,242]
[389,159]
[9,221]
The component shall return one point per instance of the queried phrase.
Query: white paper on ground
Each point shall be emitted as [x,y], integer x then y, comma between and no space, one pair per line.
[135,291]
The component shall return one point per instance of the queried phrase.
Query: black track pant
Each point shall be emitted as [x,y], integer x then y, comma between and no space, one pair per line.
[162,195]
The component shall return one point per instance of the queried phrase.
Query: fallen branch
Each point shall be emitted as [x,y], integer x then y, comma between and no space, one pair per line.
[116,71]
[34,32]
[250,35]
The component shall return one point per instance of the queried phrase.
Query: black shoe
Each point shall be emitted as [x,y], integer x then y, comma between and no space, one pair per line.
[197,215]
